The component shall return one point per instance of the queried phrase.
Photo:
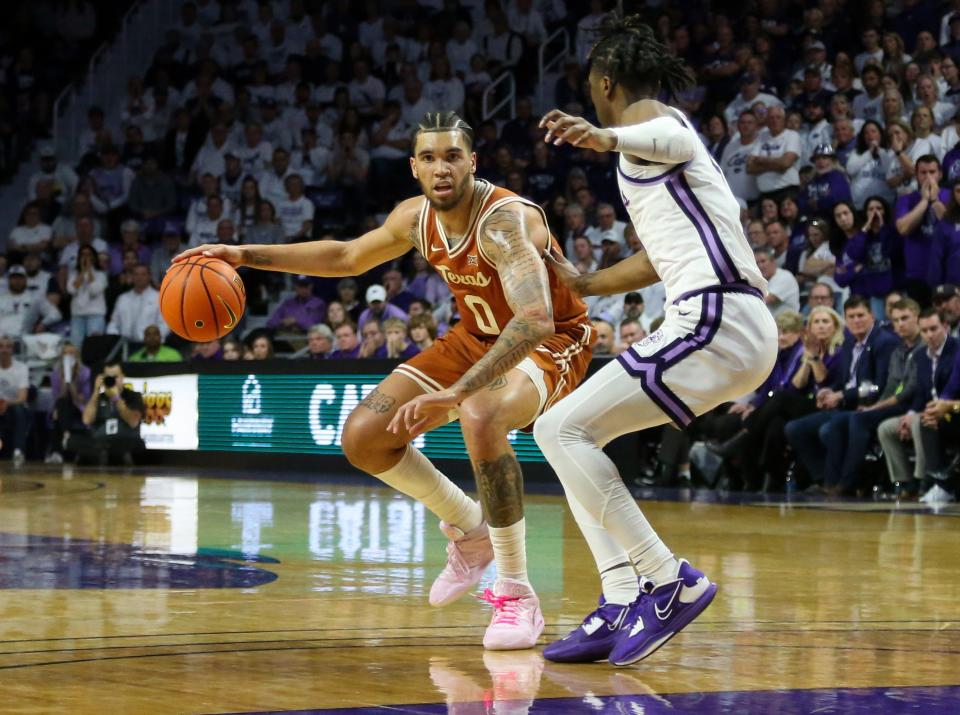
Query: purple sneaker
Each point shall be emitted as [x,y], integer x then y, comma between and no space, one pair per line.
[593,639]
[660,612]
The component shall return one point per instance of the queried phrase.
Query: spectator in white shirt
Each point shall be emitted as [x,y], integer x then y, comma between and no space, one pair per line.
[608,228]
[733,161]
[254,152]
[869,104]
[271,181]
[276,129]
[205,228]
[210,186]
[112,179]
[869,166]
[749,93]
[63,177]
[461,48]
[502,46]
[88,305]
[370,31]
[366,91]
[85,236]
[22,311]
[137,309]
[14,387]
[928,95]
[525,21]
[31,235]
[311,160]
[443,90]
[783,292]
[296,211]
[872,51]
[278,48]
[330,45]
[413,105]
[774,158]
[210,159]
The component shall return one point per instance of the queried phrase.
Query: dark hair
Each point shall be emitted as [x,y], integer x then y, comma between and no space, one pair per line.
[630,54]
[926,159]
[87,247]
[857,301]
[443,122]
[929,313]
[862,143]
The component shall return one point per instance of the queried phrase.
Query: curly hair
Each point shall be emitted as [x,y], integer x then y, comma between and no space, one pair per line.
[630,54]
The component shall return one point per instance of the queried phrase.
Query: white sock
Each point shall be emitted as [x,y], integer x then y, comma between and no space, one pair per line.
[509,551]
[617,576]
[415,476]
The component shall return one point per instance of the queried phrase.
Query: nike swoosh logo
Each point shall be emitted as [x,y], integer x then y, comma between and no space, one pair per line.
[233,316]
[593,626]
[664,614]
[435,248]
[637,627]
[687,313]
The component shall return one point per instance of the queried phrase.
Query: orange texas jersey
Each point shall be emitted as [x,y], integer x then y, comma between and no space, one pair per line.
[473,279]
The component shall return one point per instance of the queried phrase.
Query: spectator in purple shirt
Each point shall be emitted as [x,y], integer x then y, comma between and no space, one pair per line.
[70,388]
[829,186]
[945,250]
[129,241]
[379,308]
[865,263]
[918,214]
[397,294]
[398,344]
[348,346]
[301,312]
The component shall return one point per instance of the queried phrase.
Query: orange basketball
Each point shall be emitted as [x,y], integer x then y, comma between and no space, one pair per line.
[202,298]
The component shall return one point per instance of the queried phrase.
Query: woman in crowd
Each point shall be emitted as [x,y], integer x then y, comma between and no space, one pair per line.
[266,229]
[817,261]
[336,315]
[768,210]
[248,208]
[789,393]
[900,176]
[423,330]
[928,95]
[88,306]
[715,130]
[925,141]
[864,263]
[232,349]
[869,165]
[261,348]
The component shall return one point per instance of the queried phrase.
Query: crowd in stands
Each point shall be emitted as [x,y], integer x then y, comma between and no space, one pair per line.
[834,122]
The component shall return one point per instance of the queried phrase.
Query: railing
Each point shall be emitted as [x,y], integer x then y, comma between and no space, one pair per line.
[505,83]
[141,32]
[548,60]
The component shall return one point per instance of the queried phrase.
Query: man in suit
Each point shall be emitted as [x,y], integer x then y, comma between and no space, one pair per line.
[864,362]
[935,389]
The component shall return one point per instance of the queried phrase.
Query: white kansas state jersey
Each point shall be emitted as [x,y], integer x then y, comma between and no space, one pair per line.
[689,223]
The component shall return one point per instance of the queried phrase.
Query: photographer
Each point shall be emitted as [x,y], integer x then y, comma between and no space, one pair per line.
[112,414]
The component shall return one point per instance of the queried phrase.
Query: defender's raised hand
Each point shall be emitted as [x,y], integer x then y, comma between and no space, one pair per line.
[566,128]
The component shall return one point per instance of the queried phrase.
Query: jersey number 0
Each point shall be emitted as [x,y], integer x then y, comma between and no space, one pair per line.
[482,312]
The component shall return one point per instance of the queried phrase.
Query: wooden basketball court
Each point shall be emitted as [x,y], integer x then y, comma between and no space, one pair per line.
[156,592]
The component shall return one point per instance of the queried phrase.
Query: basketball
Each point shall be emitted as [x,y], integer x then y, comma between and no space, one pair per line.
[202,299]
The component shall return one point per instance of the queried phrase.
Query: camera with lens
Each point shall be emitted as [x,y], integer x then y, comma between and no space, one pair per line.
[109,381]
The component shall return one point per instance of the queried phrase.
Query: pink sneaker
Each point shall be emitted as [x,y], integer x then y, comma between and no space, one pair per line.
[468,556]
[517,622]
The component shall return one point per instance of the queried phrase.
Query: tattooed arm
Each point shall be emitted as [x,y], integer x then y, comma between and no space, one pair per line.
[328,258]
[510,238]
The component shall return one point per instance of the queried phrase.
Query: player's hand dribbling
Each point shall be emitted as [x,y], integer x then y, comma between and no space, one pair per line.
[563,128]
[231,254]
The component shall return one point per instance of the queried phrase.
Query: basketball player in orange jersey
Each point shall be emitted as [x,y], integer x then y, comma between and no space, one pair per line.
[522,343]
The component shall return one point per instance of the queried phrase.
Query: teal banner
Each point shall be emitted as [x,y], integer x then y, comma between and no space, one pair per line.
[305,414]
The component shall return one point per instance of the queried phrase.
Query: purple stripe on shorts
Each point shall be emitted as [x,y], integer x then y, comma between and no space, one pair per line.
[653,180]
[691,208]
[742,287]
[649,369]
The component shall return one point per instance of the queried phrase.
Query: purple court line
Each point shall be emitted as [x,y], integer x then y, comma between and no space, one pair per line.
[937,700]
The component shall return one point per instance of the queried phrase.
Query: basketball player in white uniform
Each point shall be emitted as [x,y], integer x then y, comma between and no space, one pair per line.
[717,343]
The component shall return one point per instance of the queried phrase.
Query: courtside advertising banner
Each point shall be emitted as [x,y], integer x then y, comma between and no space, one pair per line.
[171,418]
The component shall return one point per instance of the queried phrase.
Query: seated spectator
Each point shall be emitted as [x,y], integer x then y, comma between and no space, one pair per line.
[934,362]
[783,292]
[829,186]
[64,227]
[864,362]
[608,228]
[130,240]
[153,194]
[162,256]
[210,159]
[137,308]
[348,345]
[940,428]
[869,166]
[23,312]
[427,283]
[820,294]
[296,211]
[261,348]
[267,229]
[112,416]
[232,349]
[631,332]
[319,343]
[372,339]
[397,294]
[423,330]
[397,346]
[205,229]
[70,390]
[30,235]
[865,265]
[121,282]
[774,160]
[301,312]
[84,236]
[606,339]
[574,226]
[209,186]
[946,299]
[816,263]
[846,459]
[210,350]
[153,349]
[14,387]
[87,287]
[63,177]
[272,181]
[112,179]
[378,308]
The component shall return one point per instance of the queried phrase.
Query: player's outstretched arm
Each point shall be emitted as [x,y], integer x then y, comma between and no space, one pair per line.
[631,273]
[650,132]
[326,258]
